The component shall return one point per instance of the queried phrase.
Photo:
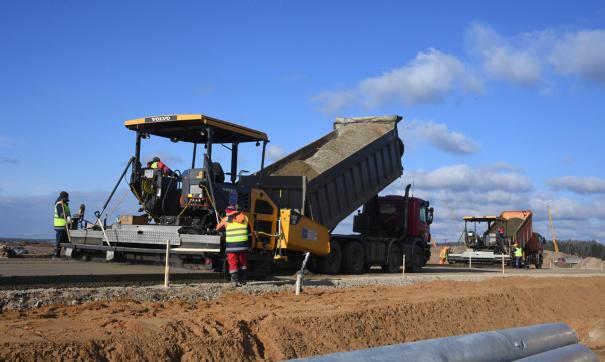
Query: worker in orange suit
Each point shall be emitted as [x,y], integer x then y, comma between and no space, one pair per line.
[443,254]
[236,242]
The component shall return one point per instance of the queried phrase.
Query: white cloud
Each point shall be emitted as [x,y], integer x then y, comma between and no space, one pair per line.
[438,135]
[522,59]
[331,102]
[518,67]
[581,185]
[428,78]
[456,191]
[564,208]
[502,60]
[275,153]
[460,190]
[526,59]
[581,53]
[464,178]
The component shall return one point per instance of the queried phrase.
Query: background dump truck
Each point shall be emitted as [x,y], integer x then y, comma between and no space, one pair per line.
[292,205]
[490,246]
[519,228]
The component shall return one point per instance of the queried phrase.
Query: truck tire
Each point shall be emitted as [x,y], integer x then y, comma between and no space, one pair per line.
[417,260]
[330,264]
[353,258]
[394,262]
[538,261]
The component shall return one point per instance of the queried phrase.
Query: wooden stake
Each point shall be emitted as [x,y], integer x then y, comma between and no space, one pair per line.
[403,268]
[298,282]
[167,269]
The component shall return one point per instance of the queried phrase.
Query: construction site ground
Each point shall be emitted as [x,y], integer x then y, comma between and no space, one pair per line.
[266,321]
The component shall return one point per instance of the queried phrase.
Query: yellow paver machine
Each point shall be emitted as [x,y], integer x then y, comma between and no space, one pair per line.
[290,213]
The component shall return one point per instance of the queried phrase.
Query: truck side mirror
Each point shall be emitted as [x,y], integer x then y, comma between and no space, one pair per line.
[430,215]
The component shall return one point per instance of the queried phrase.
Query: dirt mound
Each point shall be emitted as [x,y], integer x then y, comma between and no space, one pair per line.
[276,326]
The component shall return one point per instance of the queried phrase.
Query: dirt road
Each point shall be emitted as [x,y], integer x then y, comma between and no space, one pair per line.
[279,325]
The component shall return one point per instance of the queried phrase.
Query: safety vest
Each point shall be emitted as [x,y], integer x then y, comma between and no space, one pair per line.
[518,252]
[61,221]
[236,235]
[154,164]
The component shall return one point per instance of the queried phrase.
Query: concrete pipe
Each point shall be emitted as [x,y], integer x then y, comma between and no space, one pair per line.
[502,345]
[571,353]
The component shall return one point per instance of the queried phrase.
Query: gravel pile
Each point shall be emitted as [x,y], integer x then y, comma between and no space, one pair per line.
[191,293]
[35,298]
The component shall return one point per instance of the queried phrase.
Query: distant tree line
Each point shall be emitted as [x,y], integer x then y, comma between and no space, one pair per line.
[580,248]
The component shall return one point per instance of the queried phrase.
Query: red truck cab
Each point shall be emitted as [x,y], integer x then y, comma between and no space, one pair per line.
[387,228]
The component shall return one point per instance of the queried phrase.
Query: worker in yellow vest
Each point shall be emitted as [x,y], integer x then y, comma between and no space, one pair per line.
[156,163]
[518,253]
[236,244]
[61,221]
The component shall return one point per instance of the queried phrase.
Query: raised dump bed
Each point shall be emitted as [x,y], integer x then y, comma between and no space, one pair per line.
[333,176]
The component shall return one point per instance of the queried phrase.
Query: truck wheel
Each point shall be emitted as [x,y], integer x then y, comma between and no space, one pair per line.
[330,264]
[353,258]
[415,265]
[395,257]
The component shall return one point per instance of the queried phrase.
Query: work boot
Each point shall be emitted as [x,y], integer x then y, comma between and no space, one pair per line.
[243,277]
[234,280]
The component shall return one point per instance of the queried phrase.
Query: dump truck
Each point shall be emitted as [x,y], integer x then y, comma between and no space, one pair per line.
[497,242]
[519,228]
[292,205]
[337,174]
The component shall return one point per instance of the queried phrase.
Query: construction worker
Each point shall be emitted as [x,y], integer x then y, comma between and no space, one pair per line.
[443,254]
[236,240]
[157,163]
[518,253]
[62,219]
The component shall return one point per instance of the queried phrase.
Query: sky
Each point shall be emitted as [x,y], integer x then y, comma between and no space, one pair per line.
[502,101]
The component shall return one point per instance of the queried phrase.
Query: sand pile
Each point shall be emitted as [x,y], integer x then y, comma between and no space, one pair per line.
[590,263]
[279,325]
[350,135]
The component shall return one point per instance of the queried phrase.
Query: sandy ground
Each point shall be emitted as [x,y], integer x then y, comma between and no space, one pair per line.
[279,325]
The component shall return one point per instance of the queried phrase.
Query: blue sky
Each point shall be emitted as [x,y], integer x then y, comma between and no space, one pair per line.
[503,102]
